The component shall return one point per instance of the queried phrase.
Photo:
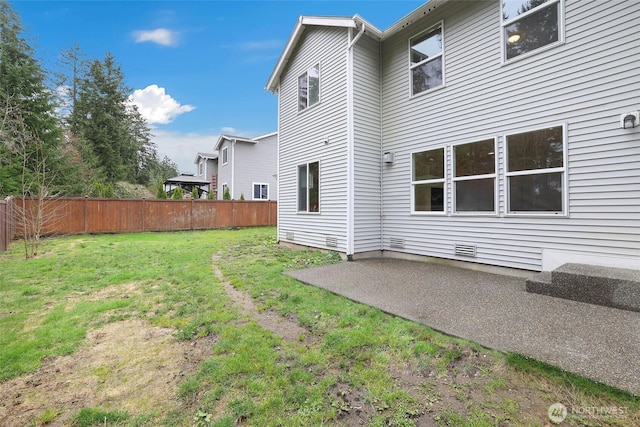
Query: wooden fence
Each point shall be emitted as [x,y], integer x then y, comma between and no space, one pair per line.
[95,216]
[7,225]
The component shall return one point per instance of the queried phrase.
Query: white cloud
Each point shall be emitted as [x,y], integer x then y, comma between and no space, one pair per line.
[229,131]
[161,36]
[182,148]
[156,106]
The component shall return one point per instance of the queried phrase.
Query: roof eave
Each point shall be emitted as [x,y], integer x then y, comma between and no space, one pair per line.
[422,11]
[322,21]
[232,138]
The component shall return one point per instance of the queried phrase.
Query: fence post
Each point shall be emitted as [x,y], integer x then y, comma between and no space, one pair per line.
[143,214]
[233,214]
[4,230]
[86,214]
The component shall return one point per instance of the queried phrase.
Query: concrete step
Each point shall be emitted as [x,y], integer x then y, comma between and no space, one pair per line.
[607,286]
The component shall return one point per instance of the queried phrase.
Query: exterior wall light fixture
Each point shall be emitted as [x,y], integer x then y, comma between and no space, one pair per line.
[630,120]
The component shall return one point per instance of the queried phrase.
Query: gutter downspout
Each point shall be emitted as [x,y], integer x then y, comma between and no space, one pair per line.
[351,144]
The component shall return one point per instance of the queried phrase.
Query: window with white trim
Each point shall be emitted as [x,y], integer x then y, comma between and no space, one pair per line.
[201,168]
[426,62]
[528,25]
[474,176]
[427,181]
[260,191]
[225,155]
[535,171]
[225,188]
[309,88]
[309,187]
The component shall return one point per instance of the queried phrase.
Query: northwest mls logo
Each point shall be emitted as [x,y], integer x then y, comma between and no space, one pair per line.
[557,413]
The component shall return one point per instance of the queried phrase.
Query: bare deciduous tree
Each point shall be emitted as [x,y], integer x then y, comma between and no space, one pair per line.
[33,211]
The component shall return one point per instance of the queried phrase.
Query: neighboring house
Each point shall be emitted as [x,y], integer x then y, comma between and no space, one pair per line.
[469,130]
[207,169]
[248,166]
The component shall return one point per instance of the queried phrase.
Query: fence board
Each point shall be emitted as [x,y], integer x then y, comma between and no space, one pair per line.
[5,224]
[95,216]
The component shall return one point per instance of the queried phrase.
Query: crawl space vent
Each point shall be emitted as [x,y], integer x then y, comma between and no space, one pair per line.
[289,236]
[332,242]
[465,250]
[396,242]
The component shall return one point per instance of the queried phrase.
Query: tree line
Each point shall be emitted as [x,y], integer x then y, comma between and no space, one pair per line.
[72,132]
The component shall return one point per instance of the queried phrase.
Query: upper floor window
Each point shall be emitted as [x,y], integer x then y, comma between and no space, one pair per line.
[309,187]
[260,191]
[201,168]
[535,171]
[225,155]
[427,181]
[528,25]
[474,176]
[426,60]
[309,88]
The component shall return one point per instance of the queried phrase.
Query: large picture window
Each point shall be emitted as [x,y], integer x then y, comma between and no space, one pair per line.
[535,171]
[426,60]
[474,176]
[427,181]
[309,88]
[528,25]
[309,187]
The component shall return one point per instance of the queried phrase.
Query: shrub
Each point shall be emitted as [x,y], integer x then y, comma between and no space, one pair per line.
[177,193]
[161,193]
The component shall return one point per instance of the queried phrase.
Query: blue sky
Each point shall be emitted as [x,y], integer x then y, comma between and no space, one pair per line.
[196,68]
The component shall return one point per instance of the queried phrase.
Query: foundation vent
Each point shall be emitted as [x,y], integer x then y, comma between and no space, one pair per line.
[465,250]
[332,242]
[396,242]
[289,236]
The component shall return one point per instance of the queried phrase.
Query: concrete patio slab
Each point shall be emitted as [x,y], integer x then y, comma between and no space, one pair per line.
[494,310]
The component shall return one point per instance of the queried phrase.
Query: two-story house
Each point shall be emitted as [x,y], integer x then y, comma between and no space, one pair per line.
[505,133]
[207,169]
[247,167]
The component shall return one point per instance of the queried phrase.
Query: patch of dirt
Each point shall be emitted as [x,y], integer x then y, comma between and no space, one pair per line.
[127,365]
[284,327]
[110,292]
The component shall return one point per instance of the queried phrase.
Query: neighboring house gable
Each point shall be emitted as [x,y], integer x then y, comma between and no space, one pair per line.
[457,134]
[207,169]
[247,165]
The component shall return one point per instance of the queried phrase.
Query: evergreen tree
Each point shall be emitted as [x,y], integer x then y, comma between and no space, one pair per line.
[161,193]
[177,193]
[29,130]
[114,130]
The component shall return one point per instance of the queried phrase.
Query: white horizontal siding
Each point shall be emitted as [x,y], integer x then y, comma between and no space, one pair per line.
[584,83]
[302,137]
[367,142]
[255,163]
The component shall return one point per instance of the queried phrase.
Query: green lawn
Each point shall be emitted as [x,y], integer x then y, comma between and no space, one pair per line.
[351,364]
